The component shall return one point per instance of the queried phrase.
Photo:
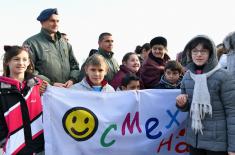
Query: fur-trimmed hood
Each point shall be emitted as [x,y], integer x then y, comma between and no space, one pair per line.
[229,41]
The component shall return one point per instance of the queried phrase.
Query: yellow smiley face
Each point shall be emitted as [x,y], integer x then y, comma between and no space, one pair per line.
[80,123]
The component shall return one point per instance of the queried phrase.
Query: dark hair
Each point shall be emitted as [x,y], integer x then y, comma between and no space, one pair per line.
[10,52]
[127,56]
[128,78]
[102,35]
[179,57]
[174,66]
[206,44]
[146,46]
[92,51]
[63,34]
[138,49]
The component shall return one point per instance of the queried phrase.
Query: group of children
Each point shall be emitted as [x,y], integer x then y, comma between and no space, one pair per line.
[207,92]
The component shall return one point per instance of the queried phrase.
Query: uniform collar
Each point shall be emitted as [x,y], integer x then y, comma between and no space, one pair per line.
[45,33]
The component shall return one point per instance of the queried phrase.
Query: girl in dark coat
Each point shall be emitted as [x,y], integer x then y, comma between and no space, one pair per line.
[130,65]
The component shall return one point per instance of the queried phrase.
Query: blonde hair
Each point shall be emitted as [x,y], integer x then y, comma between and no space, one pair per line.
[96,60]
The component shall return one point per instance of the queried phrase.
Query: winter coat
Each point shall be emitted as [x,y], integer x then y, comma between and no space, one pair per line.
[164,84]
[218,130]
[21,130]
[54,60]
[117,80]
[85,86]
[152,70]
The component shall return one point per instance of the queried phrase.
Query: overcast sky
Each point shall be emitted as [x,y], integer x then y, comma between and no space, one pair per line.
[132,22]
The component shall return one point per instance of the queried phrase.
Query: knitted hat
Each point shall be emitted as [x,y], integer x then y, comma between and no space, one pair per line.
[158,41]
[46,14]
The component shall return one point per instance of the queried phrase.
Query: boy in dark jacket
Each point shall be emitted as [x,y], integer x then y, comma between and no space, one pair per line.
[172,76]
[130,82]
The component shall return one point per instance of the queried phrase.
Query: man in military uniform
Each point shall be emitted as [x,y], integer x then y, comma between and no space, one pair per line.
[52,55]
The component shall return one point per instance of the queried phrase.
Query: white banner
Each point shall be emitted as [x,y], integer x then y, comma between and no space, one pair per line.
[142,122]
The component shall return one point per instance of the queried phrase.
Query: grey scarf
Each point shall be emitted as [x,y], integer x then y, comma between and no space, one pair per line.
[201,103]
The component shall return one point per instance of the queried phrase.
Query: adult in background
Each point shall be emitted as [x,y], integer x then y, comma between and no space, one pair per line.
[65,36]
[105,43]
[222,55]
[52,54]
[144,52]
[229,44]
[153,67]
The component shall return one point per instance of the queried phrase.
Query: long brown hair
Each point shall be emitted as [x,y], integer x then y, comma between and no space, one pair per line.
[10,52]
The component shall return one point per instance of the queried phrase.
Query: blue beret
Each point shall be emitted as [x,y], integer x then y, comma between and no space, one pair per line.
[46,14]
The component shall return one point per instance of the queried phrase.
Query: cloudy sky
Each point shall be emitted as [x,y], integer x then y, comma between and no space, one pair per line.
[132,22]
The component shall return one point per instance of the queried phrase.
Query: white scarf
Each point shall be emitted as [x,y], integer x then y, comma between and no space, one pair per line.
[201,103]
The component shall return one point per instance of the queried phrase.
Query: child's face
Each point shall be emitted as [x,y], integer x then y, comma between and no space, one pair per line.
[172,76]
[19,63]
[133,63]
[200,55]
[96,73]
[133,85]
[158,51]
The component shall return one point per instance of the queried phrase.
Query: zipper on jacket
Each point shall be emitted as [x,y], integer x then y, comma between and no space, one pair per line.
[21,88]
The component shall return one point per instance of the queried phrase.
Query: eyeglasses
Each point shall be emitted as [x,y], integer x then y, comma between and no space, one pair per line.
[203,52]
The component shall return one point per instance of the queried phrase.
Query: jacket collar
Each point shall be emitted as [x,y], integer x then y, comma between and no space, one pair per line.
[168,84]
[159,60]
[29,80]
[105,53]
[45,33]
[125,69]
[103,83]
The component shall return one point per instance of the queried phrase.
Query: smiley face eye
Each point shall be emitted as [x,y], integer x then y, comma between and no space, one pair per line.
[74,119]
[86,120]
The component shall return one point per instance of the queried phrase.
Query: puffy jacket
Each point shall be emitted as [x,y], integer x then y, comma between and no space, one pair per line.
[21,130]
[218,130]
